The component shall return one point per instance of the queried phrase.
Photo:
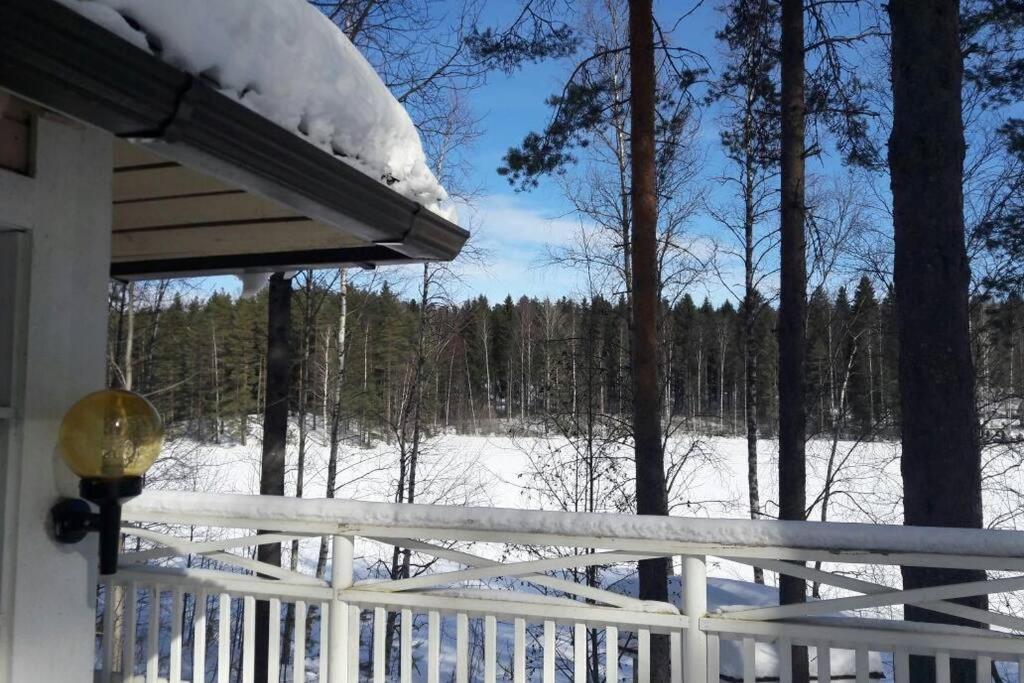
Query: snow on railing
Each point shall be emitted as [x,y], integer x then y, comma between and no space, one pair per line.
[494,594]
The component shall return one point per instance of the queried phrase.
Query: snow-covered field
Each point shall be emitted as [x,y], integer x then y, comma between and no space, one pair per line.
[847,481]
[708,475]
[534,472]
[506,471]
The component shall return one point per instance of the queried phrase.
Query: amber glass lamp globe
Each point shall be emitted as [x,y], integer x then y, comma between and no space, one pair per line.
[111,434]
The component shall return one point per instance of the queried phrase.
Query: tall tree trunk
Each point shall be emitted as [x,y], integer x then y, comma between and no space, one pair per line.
[117,594]
[215,366]
[750,371]
[793,298]
[366,374]
[412,415]
[335,434]
[154,330]
[485,334]
[129,339]
[751,307]
[651,496]
[305,389]
[941,454]
[243,402]
[275,436]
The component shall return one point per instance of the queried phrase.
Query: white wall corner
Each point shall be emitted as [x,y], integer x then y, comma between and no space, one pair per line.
[48,590]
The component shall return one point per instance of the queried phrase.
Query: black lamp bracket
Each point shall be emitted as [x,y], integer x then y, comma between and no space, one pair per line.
[74,519]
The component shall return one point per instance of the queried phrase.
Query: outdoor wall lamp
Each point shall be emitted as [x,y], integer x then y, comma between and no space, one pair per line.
[109,438]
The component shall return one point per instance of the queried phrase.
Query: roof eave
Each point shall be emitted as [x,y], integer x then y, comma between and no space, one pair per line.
[55,57]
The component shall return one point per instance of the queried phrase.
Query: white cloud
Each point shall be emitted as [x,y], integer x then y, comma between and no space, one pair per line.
[516,239]
[504,221]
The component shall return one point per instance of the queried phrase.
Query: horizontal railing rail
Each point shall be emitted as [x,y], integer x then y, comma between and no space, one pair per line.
[523,595]
[810,541]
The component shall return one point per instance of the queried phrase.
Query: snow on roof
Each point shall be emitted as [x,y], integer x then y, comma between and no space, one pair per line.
[289,63]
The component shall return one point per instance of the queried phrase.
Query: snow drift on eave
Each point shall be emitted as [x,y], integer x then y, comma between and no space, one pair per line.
[289,63]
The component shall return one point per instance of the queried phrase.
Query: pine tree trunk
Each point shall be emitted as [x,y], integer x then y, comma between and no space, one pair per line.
[275,436]
[651,496]
[941,453]
[792,305]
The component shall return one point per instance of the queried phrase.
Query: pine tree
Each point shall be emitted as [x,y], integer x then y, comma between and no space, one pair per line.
[940,456]
[865,407]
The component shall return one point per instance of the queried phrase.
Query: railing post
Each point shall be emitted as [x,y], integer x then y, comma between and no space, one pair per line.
[341,579]
[695,604]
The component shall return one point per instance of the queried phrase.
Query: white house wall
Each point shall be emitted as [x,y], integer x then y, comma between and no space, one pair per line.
[54,355]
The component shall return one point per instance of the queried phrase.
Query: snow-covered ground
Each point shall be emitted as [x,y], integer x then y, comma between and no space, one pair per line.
[709,480]
[506,471]
[847,481]
[531,472]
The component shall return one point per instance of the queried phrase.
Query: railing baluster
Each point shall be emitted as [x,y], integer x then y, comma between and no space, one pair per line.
[942,668]
[153,636]
[983,667]
[199,637]
[131,617]
[675,657]
[714,658]
[519,646]
[109,608]
[901,664]
[224,638]
[299,649]
[695,604]
[824,663]
[248,639]
[611,654]
[549,652]
[490,648]
[433,647]
[342,548]
[406,648]
[862,665]
[274,641]
[579,654]
[749,660]
[461,648]
[325,639]
[643,653]
[380,617]
[785,646]
[177,607]
[354,635]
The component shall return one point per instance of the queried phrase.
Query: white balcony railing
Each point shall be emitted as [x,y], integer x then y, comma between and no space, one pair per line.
[503,595]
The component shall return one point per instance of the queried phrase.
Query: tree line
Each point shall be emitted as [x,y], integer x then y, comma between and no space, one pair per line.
[519,364]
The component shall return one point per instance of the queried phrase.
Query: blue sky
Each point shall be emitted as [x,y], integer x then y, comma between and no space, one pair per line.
[517,229]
